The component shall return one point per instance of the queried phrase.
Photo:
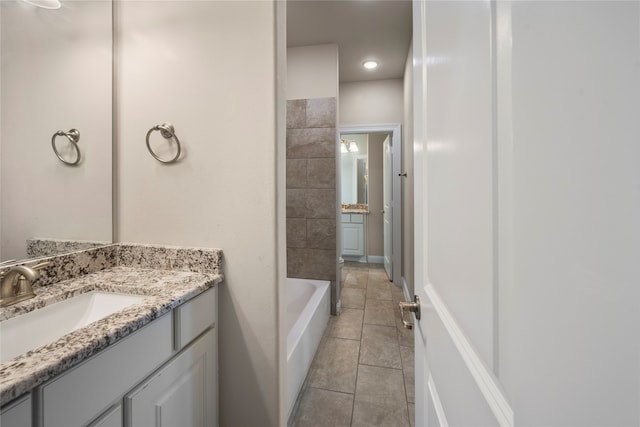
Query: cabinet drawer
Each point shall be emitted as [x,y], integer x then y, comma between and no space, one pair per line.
[16,413]
[357,218]
[95,384]
[194,317]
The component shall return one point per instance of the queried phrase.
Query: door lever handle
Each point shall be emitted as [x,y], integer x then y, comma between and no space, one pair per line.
[413,307]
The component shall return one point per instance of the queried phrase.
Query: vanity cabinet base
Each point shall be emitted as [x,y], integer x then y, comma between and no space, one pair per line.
[353,236]
[180,393]
[16,413]
[166,373]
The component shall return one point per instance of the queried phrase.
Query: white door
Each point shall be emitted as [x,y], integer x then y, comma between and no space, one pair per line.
[387,206]
[527,210]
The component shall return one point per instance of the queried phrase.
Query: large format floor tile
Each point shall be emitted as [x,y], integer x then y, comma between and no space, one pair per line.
[378,290]
[324,408]
[408,369]
[362,373]
[353,298]
[380,398]
[380,346]
[335,365]
[379,312]
[367,414]
[355,278]
[412,414]
[383,386]
[348,325]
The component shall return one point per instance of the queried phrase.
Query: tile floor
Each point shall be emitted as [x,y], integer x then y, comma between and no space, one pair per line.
[362,373]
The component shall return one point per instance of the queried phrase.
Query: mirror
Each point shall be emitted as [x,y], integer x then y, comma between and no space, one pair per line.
[56,75]
[354,168]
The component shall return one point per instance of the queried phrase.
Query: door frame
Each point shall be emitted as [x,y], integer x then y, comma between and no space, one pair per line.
[395,129]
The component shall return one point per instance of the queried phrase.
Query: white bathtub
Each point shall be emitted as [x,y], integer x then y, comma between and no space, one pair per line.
[307,314]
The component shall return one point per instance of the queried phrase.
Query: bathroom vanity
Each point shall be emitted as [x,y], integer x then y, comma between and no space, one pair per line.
[354,235]
[151,363]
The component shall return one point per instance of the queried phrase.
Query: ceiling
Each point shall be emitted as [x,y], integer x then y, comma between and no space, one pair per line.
[362,29]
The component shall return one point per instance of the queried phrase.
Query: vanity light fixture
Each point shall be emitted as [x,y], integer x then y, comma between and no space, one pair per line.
[348,146]
[370,64]
[45,4]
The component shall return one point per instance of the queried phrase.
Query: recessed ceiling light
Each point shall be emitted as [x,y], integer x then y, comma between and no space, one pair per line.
[370,64]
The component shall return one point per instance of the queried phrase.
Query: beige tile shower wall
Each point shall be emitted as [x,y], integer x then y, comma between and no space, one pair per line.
[311,188]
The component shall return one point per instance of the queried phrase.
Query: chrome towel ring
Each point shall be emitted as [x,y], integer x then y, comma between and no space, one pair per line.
[73,136]
[168,132]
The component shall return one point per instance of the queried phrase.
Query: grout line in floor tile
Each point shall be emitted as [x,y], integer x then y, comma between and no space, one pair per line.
[327,336]
[355,388]
[328,389]
[380,366]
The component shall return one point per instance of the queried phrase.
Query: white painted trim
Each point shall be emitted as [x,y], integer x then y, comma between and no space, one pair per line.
[396,143]
[280,19]
[504,162]
[396,220]
[419,199]
[354,258]
[405,290]
[484,378]
[437,403]
[375,259]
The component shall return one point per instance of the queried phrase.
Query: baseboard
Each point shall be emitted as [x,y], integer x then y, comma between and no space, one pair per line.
[405,290]
[375,259]
[354,258]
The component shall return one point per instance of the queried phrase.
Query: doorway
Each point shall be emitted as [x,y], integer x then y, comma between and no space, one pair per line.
[381,221]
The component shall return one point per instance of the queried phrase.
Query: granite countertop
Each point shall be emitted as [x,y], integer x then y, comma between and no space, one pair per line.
[165,289]
[355,208]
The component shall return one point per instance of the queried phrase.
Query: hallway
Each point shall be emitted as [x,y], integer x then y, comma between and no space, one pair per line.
[362,373]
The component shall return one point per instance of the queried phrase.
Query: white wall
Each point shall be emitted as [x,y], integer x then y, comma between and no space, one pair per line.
[371,103]
[209,68]
[55,76]
[570,319]
[312,72]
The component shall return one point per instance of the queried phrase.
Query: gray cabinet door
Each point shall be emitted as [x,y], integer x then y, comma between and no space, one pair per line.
[182,393]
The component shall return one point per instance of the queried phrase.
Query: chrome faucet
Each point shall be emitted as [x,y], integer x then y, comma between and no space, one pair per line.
[16,283]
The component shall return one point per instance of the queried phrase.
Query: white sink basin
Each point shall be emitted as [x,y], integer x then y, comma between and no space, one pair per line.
[29,331]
